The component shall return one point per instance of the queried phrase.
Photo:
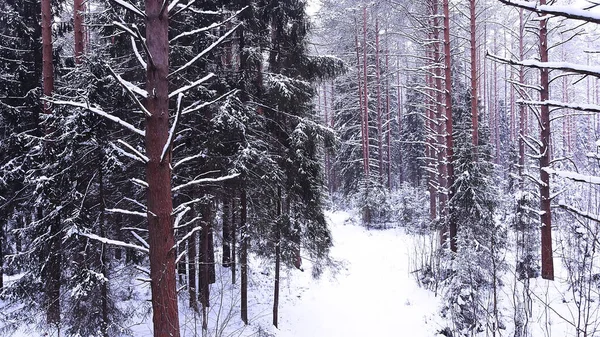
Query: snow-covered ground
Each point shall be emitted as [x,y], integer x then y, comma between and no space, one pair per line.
[374,293]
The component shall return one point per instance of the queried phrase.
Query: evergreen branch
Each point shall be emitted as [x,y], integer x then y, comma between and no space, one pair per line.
[131,7]
[114,242]
[193,108]
[130,88]
[169,141]
[191,85]
[100,113]
[204,181]
[205,51]
[207,28]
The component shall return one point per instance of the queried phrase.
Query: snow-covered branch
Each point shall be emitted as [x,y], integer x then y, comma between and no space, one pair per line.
[204,181]
[114,242]
[564,66]
[196,107]
[574,106]
[144,158]
[140,239]
[139,182]
[205,51]
[207,28]
[124,211]
[187,236]
[129,6]
[131,88]
[172,131]
[101,113]
[574,176]
[127,154]
[191,85]
[565,11]
[593,217]
[137,54]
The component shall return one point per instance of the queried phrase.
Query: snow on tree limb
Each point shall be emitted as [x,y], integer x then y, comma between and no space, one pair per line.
[196,107]
[137,54]
[140,239]
[127,154]
[182,7]
[565,11]
[131,88]
[207,28]
[191,85]
[133,149]
[125,4]
[139,182]
[114,242]
[187,236]
[124,211]
[169,141]
[593,217]
[575,106]
[204,181]
[205,51]
[100,113]
[564,66]
[574,176]
[124,28]
[144,44]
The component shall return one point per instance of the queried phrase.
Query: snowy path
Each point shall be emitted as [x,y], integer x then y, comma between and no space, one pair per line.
[374,295]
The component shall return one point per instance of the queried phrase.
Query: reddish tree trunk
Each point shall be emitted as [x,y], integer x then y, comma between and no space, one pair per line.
[449,143]
[226,261]
[521,106]
[360,100]
[78,9]
[191,259]
[389,118]
[378,93]
[233,237]
[277,258]
[52,269]
[401,169]
[158,175]
[365,94]
[441,153]
[546,215]
[474,104]
[244,258]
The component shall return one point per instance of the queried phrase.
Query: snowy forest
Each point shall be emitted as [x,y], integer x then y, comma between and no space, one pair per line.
[299,168]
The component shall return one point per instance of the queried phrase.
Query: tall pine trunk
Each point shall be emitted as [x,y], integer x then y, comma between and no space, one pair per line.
[52,268]
[244,257]
[226,261]
[78,9]
[277,258]
[545,215]
[449,143]
[158,175]
[233,236]
[474,103]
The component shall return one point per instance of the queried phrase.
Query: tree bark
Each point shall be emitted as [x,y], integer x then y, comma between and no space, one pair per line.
[158,175]
[474,103]
[233,237]
[378,93]
[226,261]
[191,259]
[449,143]
[545,215]
[277,258]
[365,95]
[244,258]
[78,9]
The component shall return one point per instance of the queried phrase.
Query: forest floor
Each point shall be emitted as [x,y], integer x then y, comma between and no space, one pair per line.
[373,292]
